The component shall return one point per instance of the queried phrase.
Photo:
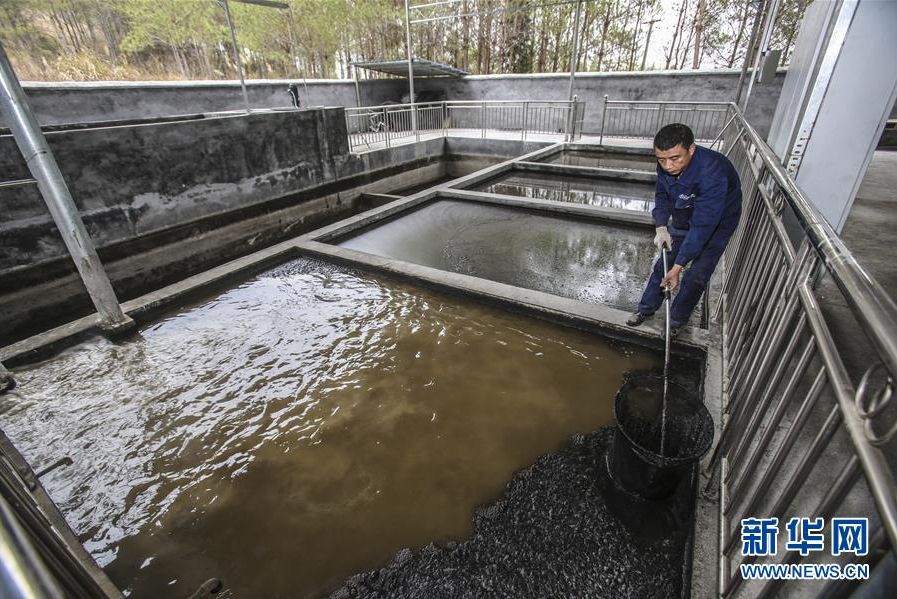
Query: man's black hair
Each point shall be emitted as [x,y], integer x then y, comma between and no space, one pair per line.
[672,135]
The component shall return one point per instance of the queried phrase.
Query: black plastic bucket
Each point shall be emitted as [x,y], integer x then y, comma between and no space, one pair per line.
[636,463]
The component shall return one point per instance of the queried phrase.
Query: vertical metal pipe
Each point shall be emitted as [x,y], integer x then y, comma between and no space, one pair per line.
[233,39]
[410,65]
[603,120]
[648,42]
[31,142]
[574,59]
[357,91]
[764,43]
[748,56]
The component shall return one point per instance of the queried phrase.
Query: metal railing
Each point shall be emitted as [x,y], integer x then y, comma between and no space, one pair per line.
[809,350]
[800,434]
[642,119]
[373,127]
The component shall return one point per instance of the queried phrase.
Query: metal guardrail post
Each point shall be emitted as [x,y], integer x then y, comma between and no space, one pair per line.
[483,122]
[386,125]
[444,113]
[33,145]
[415,124]
[603,120]
[525,117]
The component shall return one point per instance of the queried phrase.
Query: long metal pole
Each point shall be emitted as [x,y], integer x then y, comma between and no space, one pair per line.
[233,39]
[755,30]
[293,56]
[410,68]
[357,90]
[573,60]
[764,44]
[31,142]
[666,356]
[648,42]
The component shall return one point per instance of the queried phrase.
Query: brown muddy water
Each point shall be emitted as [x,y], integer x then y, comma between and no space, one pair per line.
[586,261]
[302,427]
[603,160]
[606,193]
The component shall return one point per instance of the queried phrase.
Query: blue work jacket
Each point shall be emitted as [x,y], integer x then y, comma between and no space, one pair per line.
[703,198]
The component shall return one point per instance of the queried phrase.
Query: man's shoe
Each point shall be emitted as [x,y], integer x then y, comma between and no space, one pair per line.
[675,329]
[637,319]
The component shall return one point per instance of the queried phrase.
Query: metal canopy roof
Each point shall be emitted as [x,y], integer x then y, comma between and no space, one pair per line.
[420,67]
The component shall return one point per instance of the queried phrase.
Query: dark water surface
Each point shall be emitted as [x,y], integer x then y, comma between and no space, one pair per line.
[606,193]
[586,261]
[302,427]
[603,160]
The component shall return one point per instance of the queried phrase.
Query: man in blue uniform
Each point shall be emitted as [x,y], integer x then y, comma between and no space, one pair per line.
[697,206]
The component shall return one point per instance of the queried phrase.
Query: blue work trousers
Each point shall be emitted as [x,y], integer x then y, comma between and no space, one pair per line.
[693,282]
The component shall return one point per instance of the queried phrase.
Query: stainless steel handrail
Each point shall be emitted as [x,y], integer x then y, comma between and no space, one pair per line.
[376,126]
[870,303]
[784,371]
[769,299]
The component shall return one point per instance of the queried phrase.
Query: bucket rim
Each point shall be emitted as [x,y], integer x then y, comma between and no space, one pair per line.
[654,458]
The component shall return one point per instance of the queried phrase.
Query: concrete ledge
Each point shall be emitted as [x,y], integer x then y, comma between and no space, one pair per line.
[604,148]
[587,171]
[611,215]
[392,209]
[605,319]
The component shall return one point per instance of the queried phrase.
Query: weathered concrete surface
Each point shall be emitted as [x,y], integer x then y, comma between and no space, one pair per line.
[693,86]
[130,181]
[78,102]
[167,200]
[562,529]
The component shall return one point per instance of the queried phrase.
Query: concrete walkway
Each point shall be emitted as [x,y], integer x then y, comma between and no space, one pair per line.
[868,233]
[872,221]
[361,143]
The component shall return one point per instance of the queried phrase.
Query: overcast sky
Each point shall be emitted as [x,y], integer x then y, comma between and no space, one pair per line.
[662,34]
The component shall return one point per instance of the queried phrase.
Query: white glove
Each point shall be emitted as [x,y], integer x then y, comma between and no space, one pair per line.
[663,238]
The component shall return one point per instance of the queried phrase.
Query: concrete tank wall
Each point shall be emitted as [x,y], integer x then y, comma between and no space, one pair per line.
[166,200]
[699,86]
[56,103]
[79,102]
[134,180]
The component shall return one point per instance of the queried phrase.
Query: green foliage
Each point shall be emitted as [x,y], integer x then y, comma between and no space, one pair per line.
[159,39]
[170,23]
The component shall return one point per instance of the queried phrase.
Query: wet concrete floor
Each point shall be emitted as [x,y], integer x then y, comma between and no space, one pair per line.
[302,427]
[586,261]
[591,191]
[602,160]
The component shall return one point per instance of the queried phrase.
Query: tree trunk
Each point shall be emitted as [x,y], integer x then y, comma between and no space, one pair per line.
[677,34]
[744,19]
[698,35]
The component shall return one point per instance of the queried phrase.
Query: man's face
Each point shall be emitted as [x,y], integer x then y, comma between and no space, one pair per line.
[674,160]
